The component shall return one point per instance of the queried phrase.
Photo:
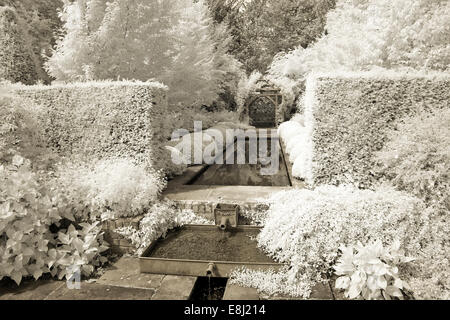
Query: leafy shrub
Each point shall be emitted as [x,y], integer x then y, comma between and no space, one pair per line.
[31,208]
[184,119]
[27,245]
[371,271]
[348,116]
[297,142]
[416,157]
[304,229]
[161,217]
[171,41]
[108,188]
[367,34]
[77,248]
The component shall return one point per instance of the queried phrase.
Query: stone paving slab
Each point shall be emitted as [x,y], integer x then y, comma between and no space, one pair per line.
[125,273]
[187,192]
[235,292]
[94,291]
[321,291]
[175,288]
[31,290]
[217,194]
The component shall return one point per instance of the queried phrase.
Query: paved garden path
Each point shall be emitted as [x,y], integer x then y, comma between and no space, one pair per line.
[123,281]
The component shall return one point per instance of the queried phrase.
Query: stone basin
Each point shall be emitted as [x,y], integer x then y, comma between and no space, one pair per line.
[205,250]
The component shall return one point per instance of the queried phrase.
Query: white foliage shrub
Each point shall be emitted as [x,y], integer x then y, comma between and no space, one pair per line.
[289,128]
[111,188]
[161,218]
[171,41]
[304,228]
[368,34]
[297,141]
[27,245]
[268,282]
[300,164]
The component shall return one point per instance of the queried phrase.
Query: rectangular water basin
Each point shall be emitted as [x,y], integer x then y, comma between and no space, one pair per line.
[230,173]
[200,250]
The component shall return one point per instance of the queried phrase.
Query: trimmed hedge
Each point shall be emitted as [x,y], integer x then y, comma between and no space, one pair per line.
[97,120]
[348,117]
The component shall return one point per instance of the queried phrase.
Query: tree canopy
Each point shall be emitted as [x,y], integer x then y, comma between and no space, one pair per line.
[172,41]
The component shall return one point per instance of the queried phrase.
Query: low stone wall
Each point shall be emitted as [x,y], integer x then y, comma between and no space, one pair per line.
[206,209]
[117,242]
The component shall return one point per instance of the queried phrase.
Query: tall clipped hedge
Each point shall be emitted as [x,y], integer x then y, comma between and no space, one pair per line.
[99,120]
[348,117]
[16,57]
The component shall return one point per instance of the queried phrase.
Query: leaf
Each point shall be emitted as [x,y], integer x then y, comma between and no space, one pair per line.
[353,292]
[28,252]
[17,277]
[344,268]
[37,273]
[394,292]
[342,282]
[372,283]
[71,231]
[68,215]
[64,238]
[408,259]
[78,244]
[382,282]
[87,269]
[398,283]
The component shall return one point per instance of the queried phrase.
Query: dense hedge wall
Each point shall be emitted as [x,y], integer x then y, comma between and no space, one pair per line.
[348,117]
[105,119]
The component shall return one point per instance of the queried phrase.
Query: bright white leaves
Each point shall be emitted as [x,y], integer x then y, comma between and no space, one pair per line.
[169,40]
[111,188]
[27,247]
[161,217]
[298,144]
[371,272]
[304,228]
[362,35]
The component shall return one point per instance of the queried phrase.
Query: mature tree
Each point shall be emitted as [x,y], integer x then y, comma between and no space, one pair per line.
[365,34]
[167,40]
[263,28]
[40,23]
[16,62]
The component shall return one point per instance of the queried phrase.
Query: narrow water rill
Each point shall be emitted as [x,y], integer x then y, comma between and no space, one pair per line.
[208,288]
[232,173]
